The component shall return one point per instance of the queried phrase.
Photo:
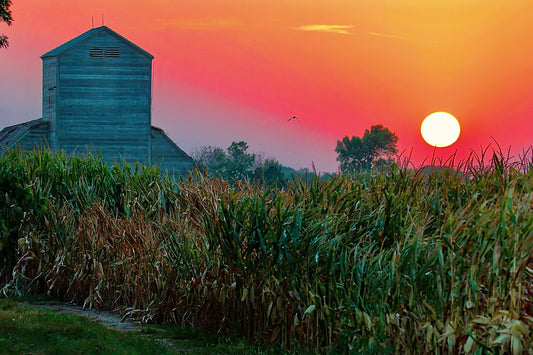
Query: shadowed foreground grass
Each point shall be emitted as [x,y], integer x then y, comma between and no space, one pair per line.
[26,329]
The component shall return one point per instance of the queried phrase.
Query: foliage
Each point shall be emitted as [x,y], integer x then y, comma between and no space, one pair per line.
[210,159]
[19,203]
[376,262]
[237,164]
[234,164]
[5,16]
[374,148]
[270,173]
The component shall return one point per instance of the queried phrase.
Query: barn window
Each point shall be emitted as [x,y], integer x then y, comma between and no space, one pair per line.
[113,52]
[97,52]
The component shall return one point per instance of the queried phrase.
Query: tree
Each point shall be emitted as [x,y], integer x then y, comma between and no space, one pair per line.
[5,16]
[270,173]
[376,145]
[239,163]
[210,159]
[233,164]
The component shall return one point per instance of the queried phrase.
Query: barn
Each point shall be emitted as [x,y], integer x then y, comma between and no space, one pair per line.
[97,97]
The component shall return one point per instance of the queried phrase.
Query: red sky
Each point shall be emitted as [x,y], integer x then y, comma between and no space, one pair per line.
[231,70]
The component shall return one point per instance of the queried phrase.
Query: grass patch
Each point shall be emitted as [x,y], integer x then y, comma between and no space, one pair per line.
[200,342]
[27,329]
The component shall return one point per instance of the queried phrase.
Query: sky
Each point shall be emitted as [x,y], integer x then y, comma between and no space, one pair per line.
[233,70]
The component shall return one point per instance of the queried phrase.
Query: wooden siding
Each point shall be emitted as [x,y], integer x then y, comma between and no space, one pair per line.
[50,96]
[104,102]
[49,87]
[168,157]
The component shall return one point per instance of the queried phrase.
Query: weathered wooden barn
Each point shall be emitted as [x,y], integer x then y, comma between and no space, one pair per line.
[97,96]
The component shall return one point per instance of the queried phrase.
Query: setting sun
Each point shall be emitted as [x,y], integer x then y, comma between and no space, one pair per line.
[440,129]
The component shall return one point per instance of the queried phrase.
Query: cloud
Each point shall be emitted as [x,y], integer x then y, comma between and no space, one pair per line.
[342,29]
[378,34]
[198,24]
[345,30]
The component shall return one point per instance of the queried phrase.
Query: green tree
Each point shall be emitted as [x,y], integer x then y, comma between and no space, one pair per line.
[376,146]
[5,16]
[270,173]
[233,164]
[210,159]
[239,163]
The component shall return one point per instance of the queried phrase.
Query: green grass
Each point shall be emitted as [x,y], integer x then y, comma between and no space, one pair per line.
[27,329]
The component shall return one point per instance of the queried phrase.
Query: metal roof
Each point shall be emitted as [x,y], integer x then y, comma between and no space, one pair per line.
[86,35]
[9,136]
[164,135]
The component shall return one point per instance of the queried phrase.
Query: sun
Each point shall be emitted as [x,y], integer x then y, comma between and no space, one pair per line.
[440,129]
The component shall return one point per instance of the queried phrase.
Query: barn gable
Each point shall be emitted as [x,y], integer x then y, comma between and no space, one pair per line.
[58,51]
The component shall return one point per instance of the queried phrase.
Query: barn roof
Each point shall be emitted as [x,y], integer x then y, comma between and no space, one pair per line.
[11,135]
[178,149]
[86,35]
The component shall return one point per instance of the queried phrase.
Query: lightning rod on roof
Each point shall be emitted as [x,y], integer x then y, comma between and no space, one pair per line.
[92,19]
[102,18]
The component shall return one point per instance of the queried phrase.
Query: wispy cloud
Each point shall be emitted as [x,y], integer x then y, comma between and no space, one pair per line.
[342,29]
[346,30]
[386,35]
[199,24]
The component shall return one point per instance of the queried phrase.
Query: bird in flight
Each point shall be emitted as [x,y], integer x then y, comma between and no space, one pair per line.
[292,118]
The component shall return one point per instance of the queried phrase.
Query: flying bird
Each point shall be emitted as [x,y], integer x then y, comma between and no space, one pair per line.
[292,118]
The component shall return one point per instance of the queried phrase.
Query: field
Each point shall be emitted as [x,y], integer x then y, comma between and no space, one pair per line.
[395,261]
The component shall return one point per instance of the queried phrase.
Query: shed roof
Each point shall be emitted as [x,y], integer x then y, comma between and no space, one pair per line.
[178,149]
[12,134]
[86,35]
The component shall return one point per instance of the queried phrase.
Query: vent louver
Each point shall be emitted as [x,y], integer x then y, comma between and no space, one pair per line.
[113,52]
[97,52]
[101,52]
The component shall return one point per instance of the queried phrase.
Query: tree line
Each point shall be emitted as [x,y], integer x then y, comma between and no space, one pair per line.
[236,163]
[374,150]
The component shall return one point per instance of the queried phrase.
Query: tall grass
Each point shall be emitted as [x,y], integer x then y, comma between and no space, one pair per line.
[389,262]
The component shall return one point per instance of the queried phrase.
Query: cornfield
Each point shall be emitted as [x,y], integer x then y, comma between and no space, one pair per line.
[397,261]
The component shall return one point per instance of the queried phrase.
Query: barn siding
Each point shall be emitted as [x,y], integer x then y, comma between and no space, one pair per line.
[50,96]
[104,103]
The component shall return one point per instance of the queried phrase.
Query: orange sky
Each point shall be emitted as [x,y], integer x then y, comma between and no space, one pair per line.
[227,70]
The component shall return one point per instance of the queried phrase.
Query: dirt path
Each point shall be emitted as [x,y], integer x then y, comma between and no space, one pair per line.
[113,320]
[108,319]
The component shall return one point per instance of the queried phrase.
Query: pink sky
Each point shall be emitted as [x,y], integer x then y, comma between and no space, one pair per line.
[227,70]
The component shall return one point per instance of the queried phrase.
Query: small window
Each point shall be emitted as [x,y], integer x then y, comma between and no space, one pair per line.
[113,52]
[96,52]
